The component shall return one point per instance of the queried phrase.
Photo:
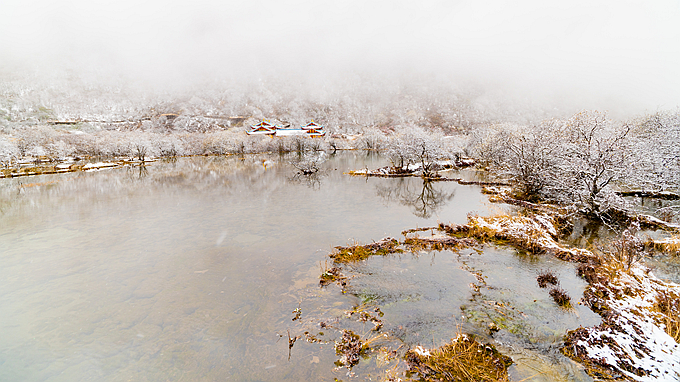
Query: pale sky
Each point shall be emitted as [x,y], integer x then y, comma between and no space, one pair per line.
[595,53]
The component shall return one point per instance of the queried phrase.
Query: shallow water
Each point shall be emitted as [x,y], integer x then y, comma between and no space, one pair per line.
[427,299]
[189,271]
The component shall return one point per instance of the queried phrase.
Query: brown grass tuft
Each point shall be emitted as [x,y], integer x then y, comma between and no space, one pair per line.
[464,359]
[668,304]
[560,297]
[670,245]
[356,253]
[330,275]
[546,277]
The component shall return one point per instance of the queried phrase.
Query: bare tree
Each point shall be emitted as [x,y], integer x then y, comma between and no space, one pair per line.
[628,249]
[657,150]
[415,147]
[490,145]
[310,163]
[532,158]
[597,154]
[574,161]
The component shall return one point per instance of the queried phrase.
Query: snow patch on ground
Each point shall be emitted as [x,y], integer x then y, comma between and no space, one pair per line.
[537,231]
[635,339]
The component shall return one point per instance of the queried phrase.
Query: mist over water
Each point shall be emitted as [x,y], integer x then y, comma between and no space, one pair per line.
[532,58]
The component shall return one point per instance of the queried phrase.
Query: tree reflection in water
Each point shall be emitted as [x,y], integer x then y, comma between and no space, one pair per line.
[312,181]
[424,201]
[137,171]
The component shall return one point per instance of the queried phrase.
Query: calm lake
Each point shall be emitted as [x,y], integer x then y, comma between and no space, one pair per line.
[189,271]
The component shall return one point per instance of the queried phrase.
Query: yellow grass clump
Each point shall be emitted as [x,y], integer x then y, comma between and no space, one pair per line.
[463,359]
[362,252]
[670,245]
[668,304]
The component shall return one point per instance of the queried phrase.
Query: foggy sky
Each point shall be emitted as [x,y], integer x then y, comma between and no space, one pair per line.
[622,55]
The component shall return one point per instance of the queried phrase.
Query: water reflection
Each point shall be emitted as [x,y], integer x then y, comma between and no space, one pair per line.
[138,171]
[424,200]
[312,181]
[587,233]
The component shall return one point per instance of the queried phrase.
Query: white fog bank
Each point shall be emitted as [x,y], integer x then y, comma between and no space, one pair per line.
[620,56]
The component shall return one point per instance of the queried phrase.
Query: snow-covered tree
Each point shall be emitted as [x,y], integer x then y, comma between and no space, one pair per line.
[532,157]
[414,146]
[9,153]
[658,150]
[597,155]
[490,145]
[574,161]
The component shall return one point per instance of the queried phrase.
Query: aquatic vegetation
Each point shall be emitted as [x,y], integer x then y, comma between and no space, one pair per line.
[314,338]
[546,277]
[291,343]
[534,233]
[330,275]
[365,316]
[495,315]
[297,313]
[415,244]
[560,297]
[463,359]
[351,347]
[390,245]
[639,321]
[362,252]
